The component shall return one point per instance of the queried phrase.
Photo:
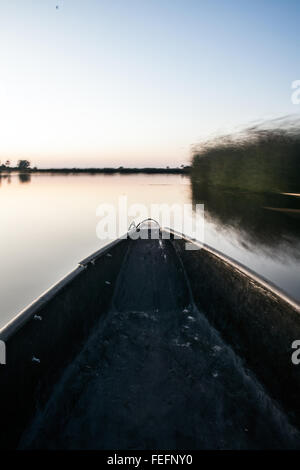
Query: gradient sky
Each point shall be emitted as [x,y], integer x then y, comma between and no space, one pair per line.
[137,82]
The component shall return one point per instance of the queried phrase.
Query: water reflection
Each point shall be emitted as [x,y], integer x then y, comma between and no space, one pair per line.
[24,177]
[261,222]
[49,224]
[5,177]
[8,177]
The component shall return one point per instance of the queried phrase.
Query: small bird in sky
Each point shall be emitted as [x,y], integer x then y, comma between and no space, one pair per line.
[57,7]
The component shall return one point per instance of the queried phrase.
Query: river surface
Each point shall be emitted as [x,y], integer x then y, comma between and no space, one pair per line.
[48,224]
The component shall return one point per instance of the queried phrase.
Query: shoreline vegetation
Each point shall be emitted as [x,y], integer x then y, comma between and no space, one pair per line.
[262,158]
[23,166]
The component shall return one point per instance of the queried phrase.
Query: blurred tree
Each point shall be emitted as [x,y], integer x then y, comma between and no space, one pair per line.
[23,164]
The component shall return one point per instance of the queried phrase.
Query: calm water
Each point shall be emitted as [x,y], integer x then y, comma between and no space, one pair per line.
[48,224]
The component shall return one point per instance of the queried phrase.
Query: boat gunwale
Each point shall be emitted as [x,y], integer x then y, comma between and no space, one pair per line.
[254,276]
[13,325]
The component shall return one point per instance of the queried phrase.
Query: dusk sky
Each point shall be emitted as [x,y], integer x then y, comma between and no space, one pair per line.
[137,82]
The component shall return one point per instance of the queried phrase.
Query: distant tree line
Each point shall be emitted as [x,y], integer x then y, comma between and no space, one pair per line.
[21,165]
[25,166]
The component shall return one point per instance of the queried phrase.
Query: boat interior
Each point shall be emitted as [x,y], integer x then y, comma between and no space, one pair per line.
[147,345]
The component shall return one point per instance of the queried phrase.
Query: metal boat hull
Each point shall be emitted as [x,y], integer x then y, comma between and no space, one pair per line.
[147,345]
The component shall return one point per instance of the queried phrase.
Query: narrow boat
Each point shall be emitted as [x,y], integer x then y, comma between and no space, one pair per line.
[150,345]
